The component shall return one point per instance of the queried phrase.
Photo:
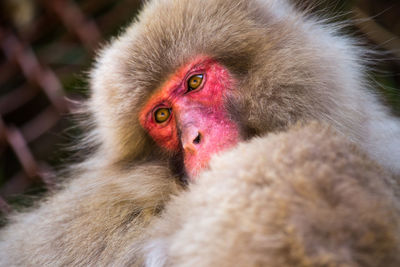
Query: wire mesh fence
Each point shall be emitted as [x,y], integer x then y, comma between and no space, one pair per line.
[45,44]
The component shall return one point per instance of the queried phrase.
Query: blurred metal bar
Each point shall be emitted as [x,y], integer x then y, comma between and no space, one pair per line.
[20,182]
[40,124]
[118,15]
[18,144]
[33,71]
[17,98]
[76,22]
[23,77]
[20,148]
[377,33]
[17,184]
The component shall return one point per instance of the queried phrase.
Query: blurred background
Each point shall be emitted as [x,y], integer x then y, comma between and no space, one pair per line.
[47,46]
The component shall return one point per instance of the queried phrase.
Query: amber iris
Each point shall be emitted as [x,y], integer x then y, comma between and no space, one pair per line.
[162,114]
[195,81]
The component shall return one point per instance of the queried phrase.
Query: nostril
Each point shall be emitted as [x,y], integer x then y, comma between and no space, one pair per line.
[197,139]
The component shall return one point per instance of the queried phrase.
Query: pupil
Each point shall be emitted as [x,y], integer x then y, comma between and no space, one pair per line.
[162,115]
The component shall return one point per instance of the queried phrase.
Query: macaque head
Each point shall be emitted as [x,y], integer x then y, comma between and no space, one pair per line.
[190,79]
[188,113]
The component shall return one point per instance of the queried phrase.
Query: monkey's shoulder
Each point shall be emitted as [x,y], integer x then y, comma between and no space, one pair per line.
[279,200]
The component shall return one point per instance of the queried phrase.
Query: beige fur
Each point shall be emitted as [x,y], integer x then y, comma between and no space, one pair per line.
[295,67]
[306,197]
[290,67]
[91,221]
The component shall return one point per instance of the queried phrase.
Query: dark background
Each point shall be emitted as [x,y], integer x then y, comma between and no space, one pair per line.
[47,46]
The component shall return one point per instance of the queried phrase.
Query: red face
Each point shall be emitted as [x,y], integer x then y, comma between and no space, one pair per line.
[188,114]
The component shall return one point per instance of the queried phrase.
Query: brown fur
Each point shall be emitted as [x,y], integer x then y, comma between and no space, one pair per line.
[306,197]
[290,68]
[91,221]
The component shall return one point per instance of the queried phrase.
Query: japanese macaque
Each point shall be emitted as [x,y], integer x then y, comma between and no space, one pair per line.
[199,157]
[305,197]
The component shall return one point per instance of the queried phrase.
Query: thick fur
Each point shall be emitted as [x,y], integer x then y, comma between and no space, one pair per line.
[305,197]
[289,66]
[91,221]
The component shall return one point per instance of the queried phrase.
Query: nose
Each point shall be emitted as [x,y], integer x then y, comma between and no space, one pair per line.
[191,139]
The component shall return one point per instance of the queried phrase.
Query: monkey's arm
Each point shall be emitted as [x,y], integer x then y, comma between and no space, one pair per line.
[91,221]
[305,197]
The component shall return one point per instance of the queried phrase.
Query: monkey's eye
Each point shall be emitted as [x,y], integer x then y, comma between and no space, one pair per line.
[194,82]
[162,114]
